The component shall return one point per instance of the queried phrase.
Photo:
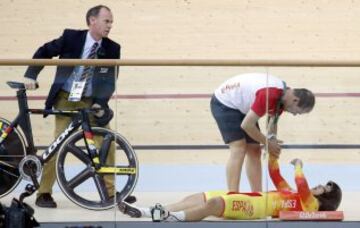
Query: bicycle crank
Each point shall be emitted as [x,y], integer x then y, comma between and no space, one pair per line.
[30,167]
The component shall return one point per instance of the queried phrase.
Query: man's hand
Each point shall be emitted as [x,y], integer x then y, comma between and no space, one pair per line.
[274,147]
[98,113]
[30,84]
[296,162]
[102,116]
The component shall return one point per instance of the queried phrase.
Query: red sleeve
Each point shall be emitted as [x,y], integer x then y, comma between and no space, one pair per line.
[259,105]
[309,202]
[275,175]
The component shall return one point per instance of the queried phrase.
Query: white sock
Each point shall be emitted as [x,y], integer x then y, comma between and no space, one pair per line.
[180,215]
[145,212]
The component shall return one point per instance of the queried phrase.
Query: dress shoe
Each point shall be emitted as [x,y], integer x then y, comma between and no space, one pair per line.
[130,199]
[45,200]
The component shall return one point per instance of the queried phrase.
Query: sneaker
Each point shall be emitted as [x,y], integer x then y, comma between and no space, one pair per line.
[45,200]
[160,214]
[130,210]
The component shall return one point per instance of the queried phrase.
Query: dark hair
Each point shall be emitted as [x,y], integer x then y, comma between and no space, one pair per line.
[306,98]
[330,201]
[94,12]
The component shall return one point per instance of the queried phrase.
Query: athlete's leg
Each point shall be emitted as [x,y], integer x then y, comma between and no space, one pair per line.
[191,201]
[253,167]
[235,163]
[188,202]
[213,207]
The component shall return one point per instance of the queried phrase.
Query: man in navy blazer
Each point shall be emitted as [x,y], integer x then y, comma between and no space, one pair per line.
[70,46]
[98,84]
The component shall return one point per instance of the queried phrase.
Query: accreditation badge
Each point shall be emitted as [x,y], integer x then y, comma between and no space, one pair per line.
[76,91]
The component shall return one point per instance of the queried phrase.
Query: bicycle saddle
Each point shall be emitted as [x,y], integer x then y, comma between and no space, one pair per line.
[16,85]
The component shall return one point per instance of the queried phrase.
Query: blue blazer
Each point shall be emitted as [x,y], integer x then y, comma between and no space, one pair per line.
[69,46]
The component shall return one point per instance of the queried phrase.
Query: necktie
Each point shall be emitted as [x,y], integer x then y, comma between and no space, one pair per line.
[87,69]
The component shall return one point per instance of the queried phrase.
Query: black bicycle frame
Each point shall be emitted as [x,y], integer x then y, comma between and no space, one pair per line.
[23,120]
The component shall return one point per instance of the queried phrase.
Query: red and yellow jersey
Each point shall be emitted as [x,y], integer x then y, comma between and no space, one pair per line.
[302,198]
[260,205]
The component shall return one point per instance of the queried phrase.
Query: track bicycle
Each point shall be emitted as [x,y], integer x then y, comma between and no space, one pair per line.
[82,167]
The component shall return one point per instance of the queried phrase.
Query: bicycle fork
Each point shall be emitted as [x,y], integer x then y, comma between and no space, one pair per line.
[98,157]
[91,147]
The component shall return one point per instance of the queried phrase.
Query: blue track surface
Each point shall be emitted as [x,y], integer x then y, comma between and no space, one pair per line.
[195,178]
[198,178]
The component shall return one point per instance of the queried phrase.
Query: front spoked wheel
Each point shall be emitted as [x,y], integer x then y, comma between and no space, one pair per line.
[99,184]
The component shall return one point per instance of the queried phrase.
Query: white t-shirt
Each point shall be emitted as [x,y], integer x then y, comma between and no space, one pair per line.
[250,90]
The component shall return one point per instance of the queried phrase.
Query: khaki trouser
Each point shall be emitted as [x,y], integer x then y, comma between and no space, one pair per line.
[61,122]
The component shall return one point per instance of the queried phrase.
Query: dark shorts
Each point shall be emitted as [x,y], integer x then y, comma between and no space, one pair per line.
[229,122]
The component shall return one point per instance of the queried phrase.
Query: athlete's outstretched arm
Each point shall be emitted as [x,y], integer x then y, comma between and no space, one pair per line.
[275,175]
[309,202]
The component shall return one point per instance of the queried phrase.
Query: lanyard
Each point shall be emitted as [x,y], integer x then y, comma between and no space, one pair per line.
[279,104]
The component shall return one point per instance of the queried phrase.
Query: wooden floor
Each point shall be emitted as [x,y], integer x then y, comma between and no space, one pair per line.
[203,29]
[174,121]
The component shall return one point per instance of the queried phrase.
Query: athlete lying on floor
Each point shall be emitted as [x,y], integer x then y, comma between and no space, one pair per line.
[241,206]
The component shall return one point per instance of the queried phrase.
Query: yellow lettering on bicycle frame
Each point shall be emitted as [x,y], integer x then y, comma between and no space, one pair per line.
[115,170]
[4,134]
[96,160]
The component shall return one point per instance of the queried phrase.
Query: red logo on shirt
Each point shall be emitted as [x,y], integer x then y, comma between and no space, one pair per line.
[244,206]
[289,203]
[230,87]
